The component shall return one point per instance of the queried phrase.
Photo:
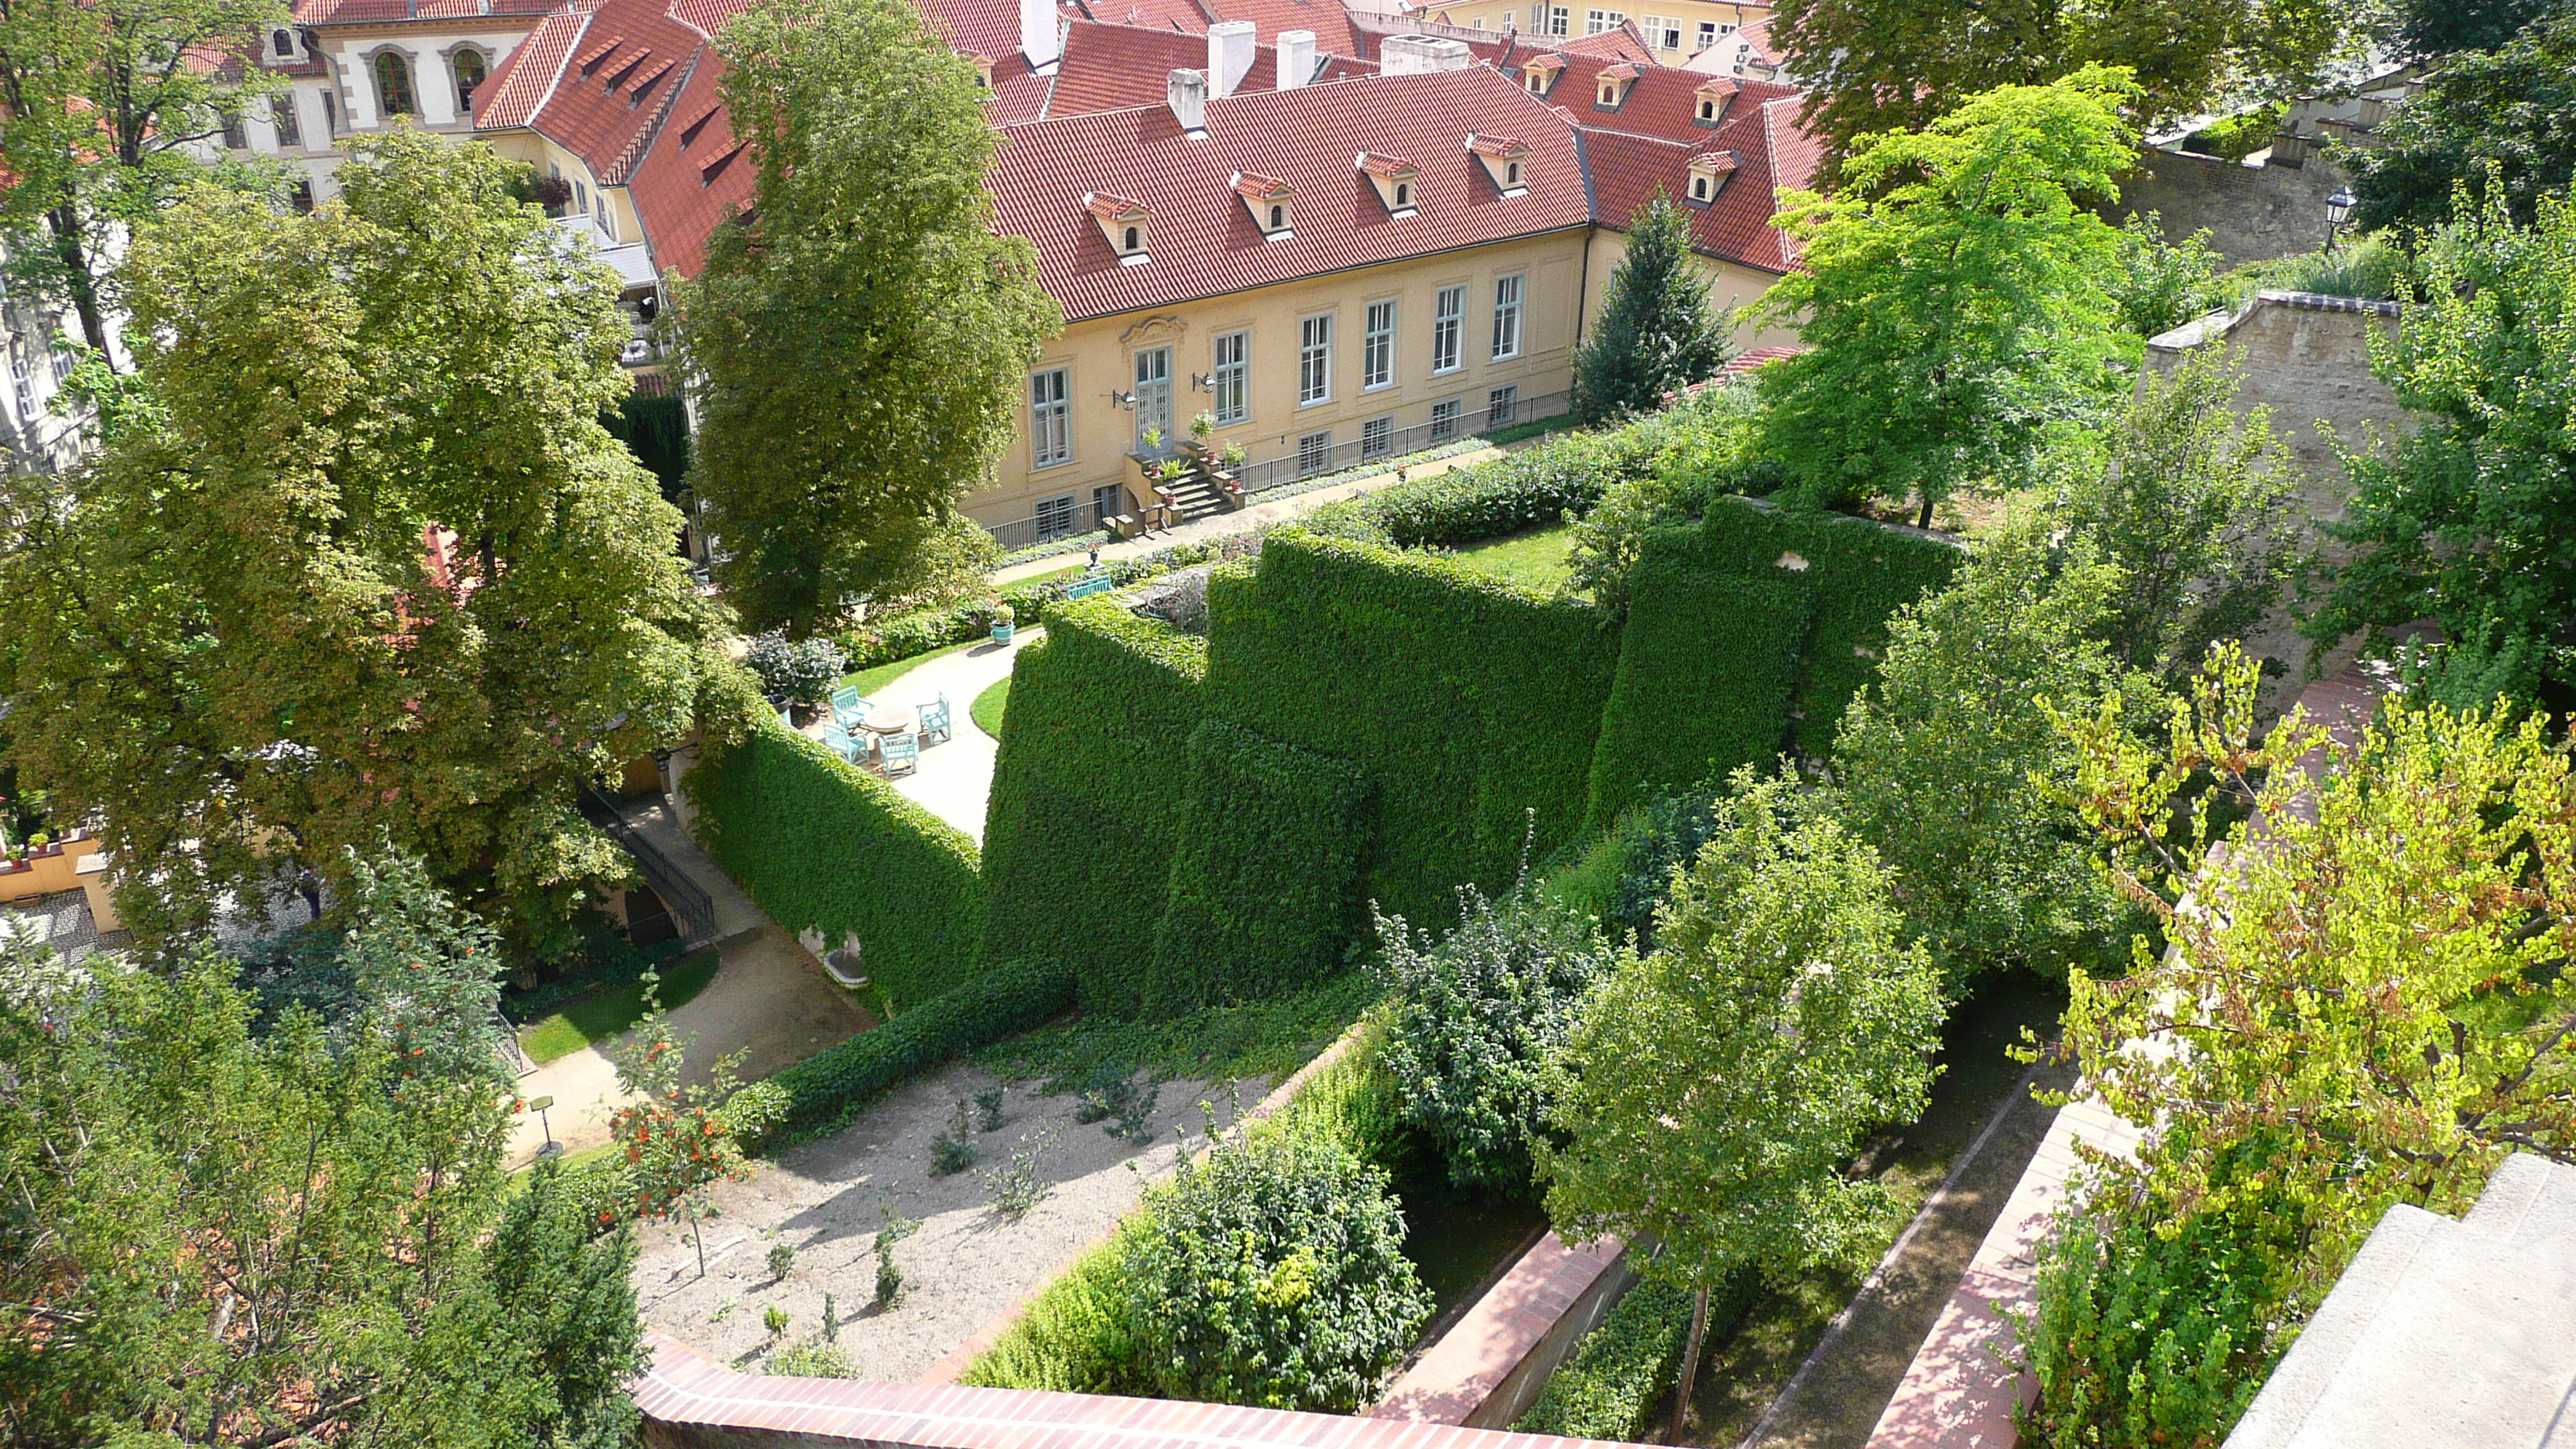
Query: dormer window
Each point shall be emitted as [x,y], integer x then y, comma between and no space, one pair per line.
[1504,160]
[1270,201]
[983,70]
[1394,177]
[1122,222]
[1710,102]
[1613,86]
[1539,75]
[1709,173]
[284,44]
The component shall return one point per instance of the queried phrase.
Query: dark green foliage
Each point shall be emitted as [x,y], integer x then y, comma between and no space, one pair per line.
[918,631]
[796,671]
[2239,135]
[1468,701]
[1626,871]
[1541,484]
[1088,793]
[1273,1274]
[1707,665]
[818,1092]
[2430,29]
[2501,120]
[1476,1019]
[1609,1388]
[655,428]
[953,1150]
[2161,285]
[569,1305]
[1655,332]
[1263,1038]
[825,846]
[1262,896]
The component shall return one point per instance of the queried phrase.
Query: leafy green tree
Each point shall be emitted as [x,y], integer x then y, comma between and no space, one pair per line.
[679,1139]
[376,571]
[2501,120]
[2432,29]
[861,334]
[1952,319]
[2161,284]
[1945,763]
[1884,65]
[2466,519]
[1714,1089]
[1476,1018]
[101,102]
[236,1227]
[2194,506]
[1656,331]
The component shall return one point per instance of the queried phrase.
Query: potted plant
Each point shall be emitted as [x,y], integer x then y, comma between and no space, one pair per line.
[1202,425]
[1003,623]
[1152,439]
[1169,471]
[1231,457]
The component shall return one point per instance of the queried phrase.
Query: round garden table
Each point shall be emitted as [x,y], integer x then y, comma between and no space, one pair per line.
[888,719]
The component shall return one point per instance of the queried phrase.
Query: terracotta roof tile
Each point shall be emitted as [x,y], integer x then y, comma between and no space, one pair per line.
[1119,67]
[527,74]
[606,129]
[692,176]
[1378,163]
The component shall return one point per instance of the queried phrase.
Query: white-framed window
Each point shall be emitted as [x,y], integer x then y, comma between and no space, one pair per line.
[1448,317]
[283,43]
[236,135]
[1377,437]
[22,378]
[1315,453]
[1549,19]
[1707,36]
[1507,316]
[1107,501]
[1597,21]
[599,216]
[1377,346]
[1233,377]
[1444,420]
[1154,398]
[1662,31]
[62,360]
[1500,405]
[1050,417]
[281,114]
[1315,360]
[580,194]
[1055,517]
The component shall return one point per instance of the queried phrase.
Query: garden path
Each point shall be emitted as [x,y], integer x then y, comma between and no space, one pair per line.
[955,777]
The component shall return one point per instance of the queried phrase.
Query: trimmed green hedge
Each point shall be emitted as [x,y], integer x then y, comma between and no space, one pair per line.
[1540,484]
[1859,571]
[822,845]
[1467,700]
[1086,809]
[1609,1388]
[820,1092]
[1262,893]
[1707,663]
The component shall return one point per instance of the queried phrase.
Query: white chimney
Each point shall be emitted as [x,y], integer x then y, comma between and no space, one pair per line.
[1188,95]
[1230,45]
[1296,58]
[1041,38]
[1421,55]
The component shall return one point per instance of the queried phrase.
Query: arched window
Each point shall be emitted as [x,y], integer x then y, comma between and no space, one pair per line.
[1135,239]
[1278,217]
[470,71]
[393,85]
[284,42]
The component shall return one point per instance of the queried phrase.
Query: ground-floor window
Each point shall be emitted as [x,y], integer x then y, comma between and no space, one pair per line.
[1377,437]
[1444,420]
[1500,404]
[1055,517]
[1107,501]
[1314,453]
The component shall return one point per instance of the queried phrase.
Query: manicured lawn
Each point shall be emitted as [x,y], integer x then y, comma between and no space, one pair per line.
[612,1009]
[988,706]
[869,680]
[1536,557]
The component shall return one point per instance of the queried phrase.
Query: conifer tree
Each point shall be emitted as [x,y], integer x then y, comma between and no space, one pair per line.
[1655,332]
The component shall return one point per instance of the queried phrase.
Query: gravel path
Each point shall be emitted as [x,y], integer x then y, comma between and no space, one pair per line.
[964,1265]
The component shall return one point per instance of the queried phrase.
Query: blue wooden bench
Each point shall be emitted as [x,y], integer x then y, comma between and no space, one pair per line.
[1095,584]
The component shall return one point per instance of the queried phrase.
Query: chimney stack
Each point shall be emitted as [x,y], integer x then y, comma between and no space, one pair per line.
[1230,44]
[1421,55]
[1188,94]
[1296,58]
[1041,38]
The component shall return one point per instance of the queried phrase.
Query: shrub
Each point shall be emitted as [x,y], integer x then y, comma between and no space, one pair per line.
[1608,1388]
[1475,1021]
[1713,451]
[1262,894]
[1564,475]
[1467,700]
[1076,1336]
[953,1150]
[915,631]
[1088,794]
[821,1090]
[1273,1274]
[800,671]
[823,845]
[782,1259]
[811,1358]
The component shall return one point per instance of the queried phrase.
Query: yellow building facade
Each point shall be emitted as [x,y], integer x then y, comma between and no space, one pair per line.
[1675,30]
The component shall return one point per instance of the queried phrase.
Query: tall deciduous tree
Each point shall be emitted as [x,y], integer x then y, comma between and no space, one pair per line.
[2466,520]
[375,569]
[1953,318]
[860,336]
[244,1222]
[101,103]
[2431,29]
[2502,119]
[1655,332]
[1715,1088]
[1887,65]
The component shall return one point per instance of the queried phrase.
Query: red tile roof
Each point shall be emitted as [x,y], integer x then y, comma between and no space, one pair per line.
[1772,154]
[524,78]
[1119,67]
[1329,19]
[380,12]
[1206,244]
[618,89]
[693,176]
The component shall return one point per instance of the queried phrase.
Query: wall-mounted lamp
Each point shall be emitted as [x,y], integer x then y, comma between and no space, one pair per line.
[1123,399]
[1202,382]
[2338,211]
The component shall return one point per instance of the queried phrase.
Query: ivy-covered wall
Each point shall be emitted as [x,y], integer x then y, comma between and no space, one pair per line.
[1466,700]
[822,845]
[1085,813]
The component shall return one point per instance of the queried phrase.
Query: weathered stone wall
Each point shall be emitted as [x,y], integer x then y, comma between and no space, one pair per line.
[2253,213]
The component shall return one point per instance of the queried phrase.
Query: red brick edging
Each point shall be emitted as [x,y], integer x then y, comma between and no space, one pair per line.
[1492,1363]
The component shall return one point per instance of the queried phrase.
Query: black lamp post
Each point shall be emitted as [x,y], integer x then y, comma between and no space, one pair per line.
[2338,210]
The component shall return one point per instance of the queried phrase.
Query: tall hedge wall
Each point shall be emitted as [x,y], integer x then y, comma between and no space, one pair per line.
[1860,572]
[1085,813]
[1263,891]
[1466,700]
[1707,664]
[825,846]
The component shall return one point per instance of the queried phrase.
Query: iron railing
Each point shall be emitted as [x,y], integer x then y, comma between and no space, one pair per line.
[1389,446]
[690,904]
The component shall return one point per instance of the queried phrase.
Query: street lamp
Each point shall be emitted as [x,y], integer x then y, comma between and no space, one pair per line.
[2338,210]
[539,1105]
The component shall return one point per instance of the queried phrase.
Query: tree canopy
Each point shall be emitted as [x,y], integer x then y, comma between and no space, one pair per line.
[1655,332]
[1953,318]
[2430,29]
[861,336]
[2503,119]
[375,569]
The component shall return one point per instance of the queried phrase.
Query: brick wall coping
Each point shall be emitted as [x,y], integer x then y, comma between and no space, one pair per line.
[686,1390]
[2319,302]
[1456,1375]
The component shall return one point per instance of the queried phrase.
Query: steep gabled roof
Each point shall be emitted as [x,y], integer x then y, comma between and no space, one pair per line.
[627,68]
[693,176]
[1772,154]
